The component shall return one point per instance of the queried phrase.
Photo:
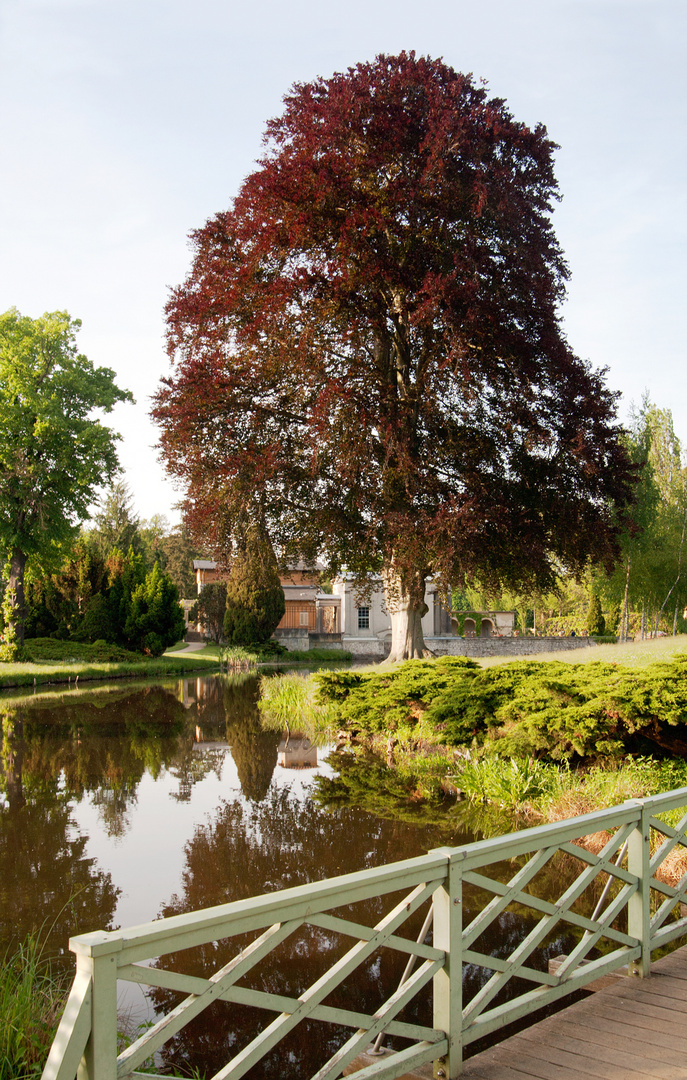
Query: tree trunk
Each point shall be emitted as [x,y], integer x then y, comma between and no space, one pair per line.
[625,620]
[405,601]
[14,597]
[13,754]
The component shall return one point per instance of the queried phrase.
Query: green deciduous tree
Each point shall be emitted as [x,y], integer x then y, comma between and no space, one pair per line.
[255,598]
[651,578]
[53,451]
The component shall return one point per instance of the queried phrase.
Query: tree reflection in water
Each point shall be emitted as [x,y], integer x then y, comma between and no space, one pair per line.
[255,847]
[96,747]
[47,883]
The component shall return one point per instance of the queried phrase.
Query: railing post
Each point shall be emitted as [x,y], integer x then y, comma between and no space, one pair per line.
[100,1056]
[639,904]
[448,983]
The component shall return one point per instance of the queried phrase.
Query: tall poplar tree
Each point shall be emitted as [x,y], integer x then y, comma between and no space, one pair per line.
[369,341]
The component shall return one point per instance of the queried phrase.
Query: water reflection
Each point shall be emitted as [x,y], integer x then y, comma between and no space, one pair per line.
[125,804]
[47,882]
[255,847]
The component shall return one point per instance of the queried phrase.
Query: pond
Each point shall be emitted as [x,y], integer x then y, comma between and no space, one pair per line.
[123,804]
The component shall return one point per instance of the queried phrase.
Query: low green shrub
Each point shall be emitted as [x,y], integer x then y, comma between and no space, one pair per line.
[39,649]
[381,700]
[317,656]
[528,708]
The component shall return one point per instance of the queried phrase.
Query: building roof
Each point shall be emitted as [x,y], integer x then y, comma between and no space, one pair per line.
[204,564]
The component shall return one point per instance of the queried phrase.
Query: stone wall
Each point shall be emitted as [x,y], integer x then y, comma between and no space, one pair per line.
[374,649]
[505,646]
[366,648]
[295,640]
[298,639]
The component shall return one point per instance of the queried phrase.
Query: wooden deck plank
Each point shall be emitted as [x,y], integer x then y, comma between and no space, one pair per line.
[633,1030]
[630,1052]
[584,1060]
[634,1040]
[573,1055]
[650,1029]
[536,1066]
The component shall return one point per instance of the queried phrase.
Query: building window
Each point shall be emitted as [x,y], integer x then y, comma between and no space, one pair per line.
[305,618]
[363,618]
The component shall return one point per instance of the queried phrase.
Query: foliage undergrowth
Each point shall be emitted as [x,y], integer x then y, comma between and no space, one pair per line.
[31,1002]
[549,710]
[310,656]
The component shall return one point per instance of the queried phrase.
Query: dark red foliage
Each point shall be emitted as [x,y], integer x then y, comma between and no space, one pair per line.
[368,352]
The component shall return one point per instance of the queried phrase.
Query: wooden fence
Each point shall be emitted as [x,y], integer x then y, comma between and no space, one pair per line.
[637,914]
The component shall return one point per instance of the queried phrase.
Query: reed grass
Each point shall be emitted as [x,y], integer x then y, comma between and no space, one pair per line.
[32,999]
[292,700]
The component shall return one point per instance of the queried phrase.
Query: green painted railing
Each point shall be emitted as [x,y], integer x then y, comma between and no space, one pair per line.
[639,913]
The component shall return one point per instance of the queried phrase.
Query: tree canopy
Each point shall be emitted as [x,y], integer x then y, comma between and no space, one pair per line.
[368,354]
[53,451]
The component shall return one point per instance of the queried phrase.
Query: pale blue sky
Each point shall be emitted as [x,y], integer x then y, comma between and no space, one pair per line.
[123,125]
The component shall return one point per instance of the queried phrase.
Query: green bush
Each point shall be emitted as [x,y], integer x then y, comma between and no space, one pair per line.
[540,709]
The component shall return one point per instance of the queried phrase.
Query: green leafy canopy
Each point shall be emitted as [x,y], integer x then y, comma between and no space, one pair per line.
[53,451]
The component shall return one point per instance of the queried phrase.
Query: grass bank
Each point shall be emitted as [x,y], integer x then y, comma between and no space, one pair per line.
[48,661]
[264,655]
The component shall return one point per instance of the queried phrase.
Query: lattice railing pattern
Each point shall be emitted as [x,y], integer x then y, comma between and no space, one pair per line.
[544,877]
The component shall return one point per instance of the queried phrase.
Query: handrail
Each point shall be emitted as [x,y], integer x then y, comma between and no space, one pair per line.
[463,887]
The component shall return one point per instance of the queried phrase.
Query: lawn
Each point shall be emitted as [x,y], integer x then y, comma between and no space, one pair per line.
[51,661]
[630,654]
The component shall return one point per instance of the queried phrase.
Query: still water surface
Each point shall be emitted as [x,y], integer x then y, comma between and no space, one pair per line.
[124,804]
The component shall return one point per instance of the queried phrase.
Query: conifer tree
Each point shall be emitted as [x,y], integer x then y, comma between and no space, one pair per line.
[596,624]
[255,598]
[155,620]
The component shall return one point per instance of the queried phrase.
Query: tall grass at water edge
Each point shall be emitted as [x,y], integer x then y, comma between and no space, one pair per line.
[31,1002]
[540,791]
[291,700]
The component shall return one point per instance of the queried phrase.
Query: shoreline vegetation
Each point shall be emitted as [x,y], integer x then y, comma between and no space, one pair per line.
[32,999]
[505,745]
[49,661]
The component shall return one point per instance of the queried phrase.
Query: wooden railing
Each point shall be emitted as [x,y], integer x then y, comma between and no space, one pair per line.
[639,913]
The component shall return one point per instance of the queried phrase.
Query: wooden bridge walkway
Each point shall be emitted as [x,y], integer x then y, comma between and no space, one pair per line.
[635,1029]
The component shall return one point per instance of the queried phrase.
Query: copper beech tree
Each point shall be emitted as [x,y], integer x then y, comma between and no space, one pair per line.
[367,352]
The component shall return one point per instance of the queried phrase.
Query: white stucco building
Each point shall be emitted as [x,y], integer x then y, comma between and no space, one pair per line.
[364,620]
